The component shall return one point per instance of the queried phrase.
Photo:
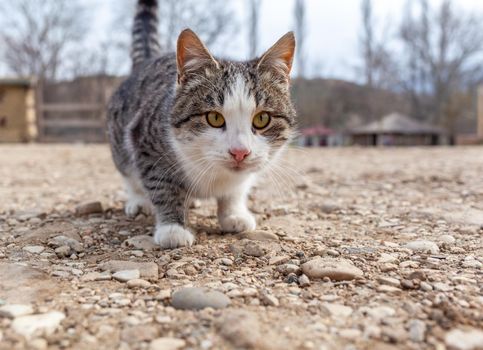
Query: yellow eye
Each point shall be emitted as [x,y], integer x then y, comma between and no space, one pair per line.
[215,119]
[261,120]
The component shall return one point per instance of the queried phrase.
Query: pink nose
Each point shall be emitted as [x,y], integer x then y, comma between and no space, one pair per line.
[239,154]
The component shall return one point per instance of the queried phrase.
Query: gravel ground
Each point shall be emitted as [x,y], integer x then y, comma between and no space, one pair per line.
[356,249]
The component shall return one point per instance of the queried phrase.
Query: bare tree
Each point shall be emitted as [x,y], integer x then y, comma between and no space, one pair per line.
[37,35]
[300,32]
[443,48]
[253,22]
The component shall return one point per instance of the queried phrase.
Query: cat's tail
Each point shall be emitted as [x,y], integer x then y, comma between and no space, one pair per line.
[145,43]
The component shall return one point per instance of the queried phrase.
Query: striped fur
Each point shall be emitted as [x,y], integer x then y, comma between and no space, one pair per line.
[145,42]
[164,147]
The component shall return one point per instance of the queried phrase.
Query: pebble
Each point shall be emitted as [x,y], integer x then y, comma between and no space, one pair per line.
[143,242]
[226,261]
[386,258]
[417,330]
[34,249]
[464,339]
[126,275]
[147,270]
[62,241]
[441,287]
[337,310]
[63,251]
[390,281]
[288,269]
[253,249]
[422,246]
[195,298]
[277,260]
[388,267]
[96,276]
[89,208]
[335,269]
[417,275]
[378,313]
[138,283]
[258,236]
[350,333]
[15,310]
[387,289]
[42,324]
[448,239]
[304,281]
[425,286]
[269,299]
[167,344]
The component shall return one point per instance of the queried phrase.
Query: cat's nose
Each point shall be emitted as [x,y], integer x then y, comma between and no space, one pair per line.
[239,154]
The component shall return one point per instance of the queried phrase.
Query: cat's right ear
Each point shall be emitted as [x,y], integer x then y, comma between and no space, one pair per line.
[280,56]
[192,55]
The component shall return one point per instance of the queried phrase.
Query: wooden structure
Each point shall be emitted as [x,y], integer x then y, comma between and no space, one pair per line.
[17,110]
[74,111]
[398,130]
[315,136]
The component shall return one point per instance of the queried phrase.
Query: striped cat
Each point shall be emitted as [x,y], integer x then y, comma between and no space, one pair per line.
[189,125]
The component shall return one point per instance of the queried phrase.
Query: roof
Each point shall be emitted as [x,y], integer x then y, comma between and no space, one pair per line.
[25,82]
[397,123]
[316,130]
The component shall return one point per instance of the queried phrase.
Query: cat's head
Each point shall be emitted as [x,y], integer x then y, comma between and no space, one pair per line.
[232,116]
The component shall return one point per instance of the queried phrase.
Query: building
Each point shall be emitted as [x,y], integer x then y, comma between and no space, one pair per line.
[397,129]
[316,136]
[17,110]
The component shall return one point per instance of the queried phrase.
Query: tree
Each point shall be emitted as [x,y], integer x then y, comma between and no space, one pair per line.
[37,35]
[300,31]
[253,21]
[443,50]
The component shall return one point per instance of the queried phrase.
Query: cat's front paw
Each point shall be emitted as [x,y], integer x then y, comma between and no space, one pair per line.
[238,222]
[173,236]
[136,205]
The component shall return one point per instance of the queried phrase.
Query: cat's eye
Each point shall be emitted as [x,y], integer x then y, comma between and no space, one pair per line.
[261,120]
[215,119]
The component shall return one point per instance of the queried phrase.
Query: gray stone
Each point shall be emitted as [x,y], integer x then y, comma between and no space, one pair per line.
[464,339]
[337,310]
[258,236]
[147,270]
[304,281]
[37,325]
[63,251]
[61,241]
[34,249]
[390,281]
[448,239]
[253,249]
[126,275]
[335,269]
[89,208]
[15,310]
[194,298]
[417,330]
[167,344]
[138,283]
[422,246]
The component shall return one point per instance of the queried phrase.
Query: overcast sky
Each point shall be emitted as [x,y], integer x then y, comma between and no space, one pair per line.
[332,28]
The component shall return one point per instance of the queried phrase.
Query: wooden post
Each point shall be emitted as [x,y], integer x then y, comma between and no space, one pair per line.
[39,112]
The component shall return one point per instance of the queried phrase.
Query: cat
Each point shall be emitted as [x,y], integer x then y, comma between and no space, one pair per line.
[190,125]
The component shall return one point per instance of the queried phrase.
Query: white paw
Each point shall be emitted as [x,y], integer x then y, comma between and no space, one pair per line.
[173,236]
[238,222]
[136,205]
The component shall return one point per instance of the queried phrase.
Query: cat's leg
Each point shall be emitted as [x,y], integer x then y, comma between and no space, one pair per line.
[233,214]
[137,200]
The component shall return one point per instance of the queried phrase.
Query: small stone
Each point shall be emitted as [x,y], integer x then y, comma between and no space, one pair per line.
[442,287]
[464,339]
[335,269]
[422,246]
[42,324]
[425,286]
[89,208]
[304,281]
[194,298]
[269,299]
[258,236]
[389,281]
[332,252]
[350,333]
[62,241]
[386,258]
[277,260]
[148,270]
[15,310]
[34,249]
[337,310]
[448,239]
[288,269]
[126,275]
[167,344]
[63,251]
[226,261]
[417,275]
[388,289]
[407,284]
[138,283]
[96,276]
[379,313]
[388,267]
[417,330]
[143,242]
[253,249]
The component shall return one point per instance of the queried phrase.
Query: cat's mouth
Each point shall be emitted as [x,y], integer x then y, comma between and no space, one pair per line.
[241,167]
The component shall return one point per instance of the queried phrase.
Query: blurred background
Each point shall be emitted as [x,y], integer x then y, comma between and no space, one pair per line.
[367,72]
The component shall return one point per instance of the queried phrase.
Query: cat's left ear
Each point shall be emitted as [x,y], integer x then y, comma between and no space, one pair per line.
[280,55]
[192,54]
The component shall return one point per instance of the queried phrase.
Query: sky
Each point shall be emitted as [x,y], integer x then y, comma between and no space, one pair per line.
[333,28]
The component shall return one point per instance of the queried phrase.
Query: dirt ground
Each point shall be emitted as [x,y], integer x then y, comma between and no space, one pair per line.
[356,249]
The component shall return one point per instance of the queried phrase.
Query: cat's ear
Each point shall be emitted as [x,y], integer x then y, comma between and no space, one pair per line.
[192,54]
[280,55]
